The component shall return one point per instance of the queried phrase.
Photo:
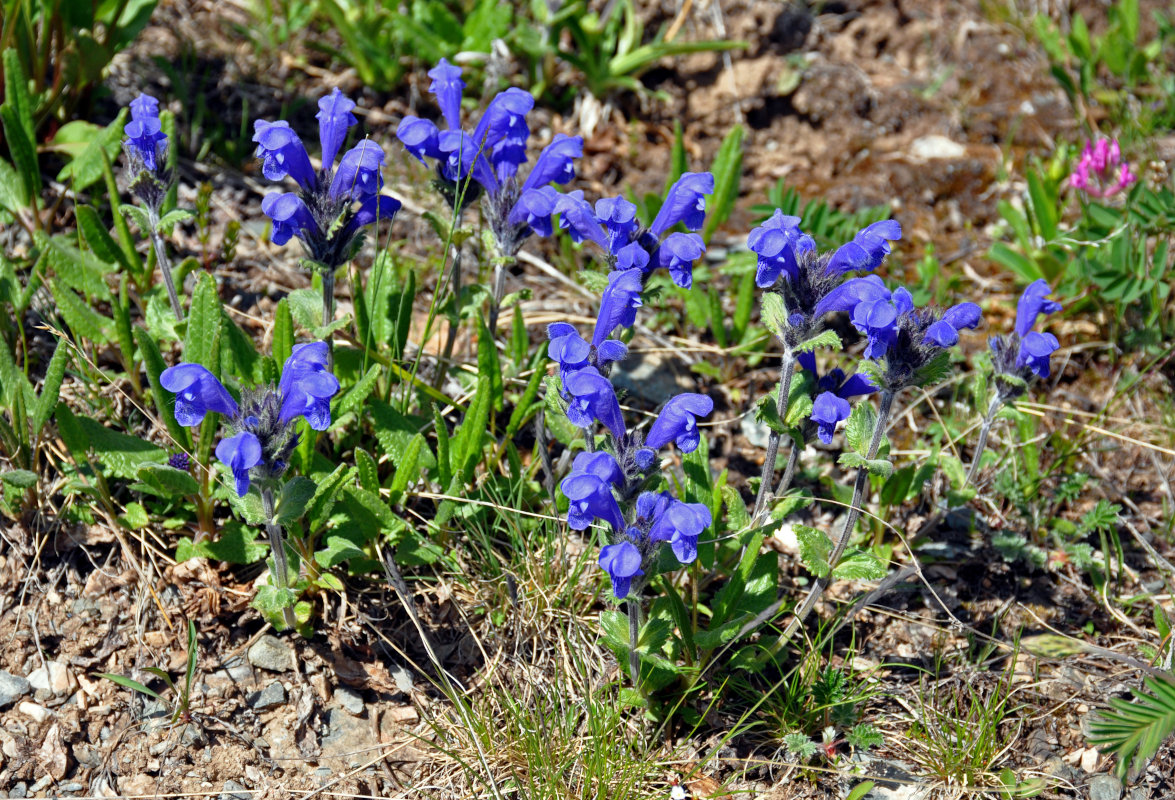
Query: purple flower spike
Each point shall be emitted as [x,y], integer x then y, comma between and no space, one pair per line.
[1034,302]
[373,209]
[618,216]
[1035,350]
[678,422]
[502,132]
[145,138]
[420,138]
[681,524]
[447,86]
[678,253]
[307,386]
[358,176]
[868,248]
[632,256]
[290,216]
[853,291]
[685,202]
[945,332]
[334,118]
[240,454]
[600,464]
[593,398]
[282,153]
[622,562]
[618,304]
[556,162]
[144,107]
[828,410]
[197,391]
[590,498]
[777,243]
[878,320]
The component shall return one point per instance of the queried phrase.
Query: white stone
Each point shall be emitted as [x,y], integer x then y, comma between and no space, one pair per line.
[34,711]
[932,147]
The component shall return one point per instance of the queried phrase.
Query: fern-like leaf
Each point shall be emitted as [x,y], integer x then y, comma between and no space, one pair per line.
[1134,731]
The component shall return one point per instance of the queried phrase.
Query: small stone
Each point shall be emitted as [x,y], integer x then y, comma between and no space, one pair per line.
[41,784]
[402,677]
[271,696]
[350,699]
[20,790]
[931,147]
[1105,787]
[757,433]
[72,787]
[235,791]
[12,688]
[272,654]
[36,712]
[53,677]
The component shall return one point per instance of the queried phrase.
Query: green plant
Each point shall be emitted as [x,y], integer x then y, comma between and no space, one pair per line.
[181,701]
[1134,731]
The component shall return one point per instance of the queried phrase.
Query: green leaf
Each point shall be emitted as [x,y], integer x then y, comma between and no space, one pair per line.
[526,404]
[774,313]
[815,549]
[84,322]
[859,428]
[936,371]
[128,683]
[120,454]
[1134,731]
[153,365]
[357,395]
[167,481]
[172,218]
[824,340]
[444,454]
[471,435]
[296,493]
[858,565]
[138,215]
[20,478]
[80,270]
[86,143]
[408,468]
[678,162]
[13,190]
[202,345]
[727,170]
[489,365]
[51,388]
[98,237]
[283,332]
[324,497]
[368,470]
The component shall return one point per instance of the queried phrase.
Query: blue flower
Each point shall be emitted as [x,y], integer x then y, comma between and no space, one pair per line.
[685,202]
[945,332]
[573,352]
[282,153]
[678,422]
[556,162]
[831,405]
[358,176]
[307,386]
[619,303]
[680,524]
[593,398]
[618,218]
[371,210]
[447,87]
[622,562]
[778,242]
[590,498]
[828,410]
[420,138]
[240,453]
[334,118]
[289,215]
[534,209]
[1034,302]
[1034,353]
[579,220]
[876,316]
[678,253]
[868,248]
[197,391]
[145,142]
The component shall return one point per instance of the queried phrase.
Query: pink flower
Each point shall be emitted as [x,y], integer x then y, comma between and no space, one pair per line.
[1101,172]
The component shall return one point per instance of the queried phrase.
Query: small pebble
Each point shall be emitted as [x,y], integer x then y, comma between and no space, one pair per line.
[350,700]
[235,791]
[53,677]
[12,688]
[72,787]
[1105,787]
[272,654]
[20,790]
[36,712]
[41,784]
[271,696]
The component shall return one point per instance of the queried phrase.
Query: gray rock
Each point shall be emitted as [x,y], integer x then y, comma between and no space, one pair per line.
[653,377]
[402,677]
[12,688]
[72,787]
[235,791]
[271,696]
[348,736]
[350,699]
[1105,787]
[41,783]
[20,790]
[272,654]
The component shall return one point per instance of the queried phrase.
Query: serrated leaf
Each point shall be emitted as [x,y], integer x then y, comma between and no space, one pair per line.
[937,370]
[727,171]
[51,387]
[84,322]
[408,469]
[814,548]
[86,144]
[368,470]
[774,313]
[119,454]
[823,340]
[283,332]
[20,478]
[139,215]
[295,495]
[325,495]
[164,403]
[357,395]
[101,243]
[167,481]
[172,218]
[24,155]
[858,565]
[202,344]
[489,365]
[859,428]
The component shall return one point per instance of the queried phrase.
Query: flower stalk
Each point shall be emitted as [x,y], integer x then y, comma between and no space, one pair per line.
[787,372]
[161,258]
[993,408]
[281,567]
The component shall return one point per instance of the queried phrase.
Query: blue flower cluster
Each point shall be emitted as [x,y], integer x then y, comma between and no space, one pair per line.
[1025,353]
[492,156]
[602,485]
[145,146]
[263,421]
[323,214]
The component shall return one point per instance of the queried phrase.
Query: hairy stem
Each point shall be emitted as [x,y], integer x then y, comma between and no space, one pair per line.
[328,313]
[451,336]
[164,265]
[496,301]
[632,606]
[787,371]
[281,567]
[789,472]
[984,431]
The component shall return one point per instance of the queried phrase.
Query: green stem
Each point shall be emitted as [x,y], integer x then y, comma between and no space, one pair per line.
[164,262]
[632,606]
[787,371]
[984,431]
[789,472]
[328,312]
[281,568]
